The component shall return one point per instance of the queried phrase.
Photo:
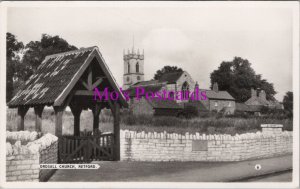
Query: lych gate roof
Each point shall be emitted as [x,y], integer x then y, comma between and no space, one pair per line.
[57,75]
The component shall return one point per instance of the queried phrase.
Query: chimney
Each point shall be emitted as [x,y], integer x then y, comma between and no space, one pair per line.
[215,87]
[262,95]
[253,93]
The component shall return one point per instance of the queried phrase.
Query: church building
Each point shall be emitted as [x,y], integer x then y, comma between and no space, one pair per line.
[133,78]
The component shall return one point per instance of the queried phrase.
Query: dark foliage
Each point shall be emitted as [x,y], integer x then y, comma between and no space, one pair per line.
[166,69]
[237,77]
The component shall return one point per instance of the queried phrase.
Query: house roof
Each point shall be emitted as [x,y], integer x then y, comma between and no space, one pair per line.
[165,104]
[170,77]
[57,75]
[247,108]
[144,83]
[258,101]
[148,88]
[218,95]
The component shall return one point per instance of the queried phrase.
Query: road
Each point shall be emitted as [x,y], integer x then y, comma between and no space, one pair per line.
[176,171]
[277,177]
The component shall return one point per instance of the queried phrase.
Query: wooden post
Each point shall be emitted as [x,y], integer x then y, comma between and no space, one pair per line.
[96,111]
[76,110]
[38,110]
[116,114]
[22,110]
[59,110]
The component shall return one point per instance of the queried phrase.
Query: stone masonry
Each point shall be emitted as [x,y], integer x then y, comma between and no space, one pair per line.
[152,146]
[22,161]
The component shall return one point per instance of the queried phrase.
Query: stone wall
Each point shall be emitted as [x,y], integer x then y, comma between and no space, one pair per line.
[48,155]
[141,146]
[22,161]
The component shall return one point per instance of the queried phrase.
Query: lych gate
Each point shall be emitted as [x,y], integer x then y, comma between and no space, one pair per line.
[68,79]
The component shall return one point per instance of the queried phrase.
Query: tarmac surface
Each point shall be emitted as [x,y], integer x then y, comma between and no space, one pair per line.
[242,171]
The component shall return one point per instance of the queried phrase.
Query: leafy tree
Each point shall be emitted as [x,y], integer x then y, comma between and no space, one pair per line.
[237,77]
[166,69]
[36,51]
[288,102]
[20,69]
[13,65]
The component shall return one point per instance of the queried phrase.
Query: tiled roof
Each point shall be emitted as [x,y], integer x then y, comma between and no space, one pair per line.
[165,104]
[170,77]
[258,101]
[247,108]
[218,95]
[51,78]
[149,88]
[56,76]
[149,82]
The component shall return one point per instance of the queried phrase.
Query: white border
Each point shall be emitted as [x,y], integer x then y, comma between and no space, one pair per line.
[294,184]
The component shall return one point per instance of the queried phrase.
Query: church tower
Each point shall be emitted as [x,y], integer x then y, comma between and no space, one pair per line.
[133,68]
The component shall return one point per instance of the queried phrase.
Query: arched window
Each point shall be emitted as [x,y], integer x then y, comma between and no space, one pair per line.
[185,91]
[128,68]
[137,67]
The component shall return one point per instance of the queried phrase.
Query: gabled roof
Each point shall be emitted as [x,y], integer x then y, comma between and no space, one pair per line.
[247,108]
[170,77]
[144,83]
[218,95]
[165,104]
[147,88]
[57,75]
[258,101]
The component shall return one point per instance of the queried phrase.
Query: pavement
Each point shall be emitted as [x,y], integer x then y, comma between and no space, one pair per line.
[110,171]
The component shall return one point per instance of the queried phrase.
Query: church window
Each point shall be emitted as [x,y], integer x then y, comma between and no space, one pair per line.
[216,104]
[127,78]
[128,68]
[185,91]
[137,67]
[138,77]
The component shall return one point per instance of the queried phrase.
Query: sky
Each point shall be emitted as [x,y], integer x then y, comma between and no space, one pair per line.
[194,37]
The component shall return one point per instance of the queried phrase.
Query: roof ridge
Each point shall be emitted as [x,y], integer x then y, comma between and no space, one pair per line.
[71,52]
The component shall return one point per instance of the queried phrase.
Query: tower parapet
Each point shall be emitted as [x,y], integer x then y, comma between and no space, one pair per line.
[133,67]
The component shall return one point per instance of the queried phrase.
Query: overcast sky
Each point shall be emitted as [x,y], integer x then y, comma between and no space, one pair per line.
[195,38]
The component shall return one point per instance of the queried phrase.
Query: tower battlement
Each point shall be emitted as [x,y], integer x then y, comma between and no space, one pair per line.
[133,67]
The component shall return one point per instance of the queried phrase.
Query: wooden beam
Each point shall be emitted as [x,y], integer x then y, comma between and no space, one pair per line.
[38,111]
[97,83]
[96,111]
[22,110]
[84,84]
[90,78]
[111,105]
[59,110]
[76,110]
[117,131]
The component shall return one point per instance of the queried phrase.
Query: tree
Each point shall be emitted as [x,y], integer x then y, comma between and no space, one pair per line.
[237,77]
[20,69]
[166,69]
[288,102]
[13,48]
[36,51]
